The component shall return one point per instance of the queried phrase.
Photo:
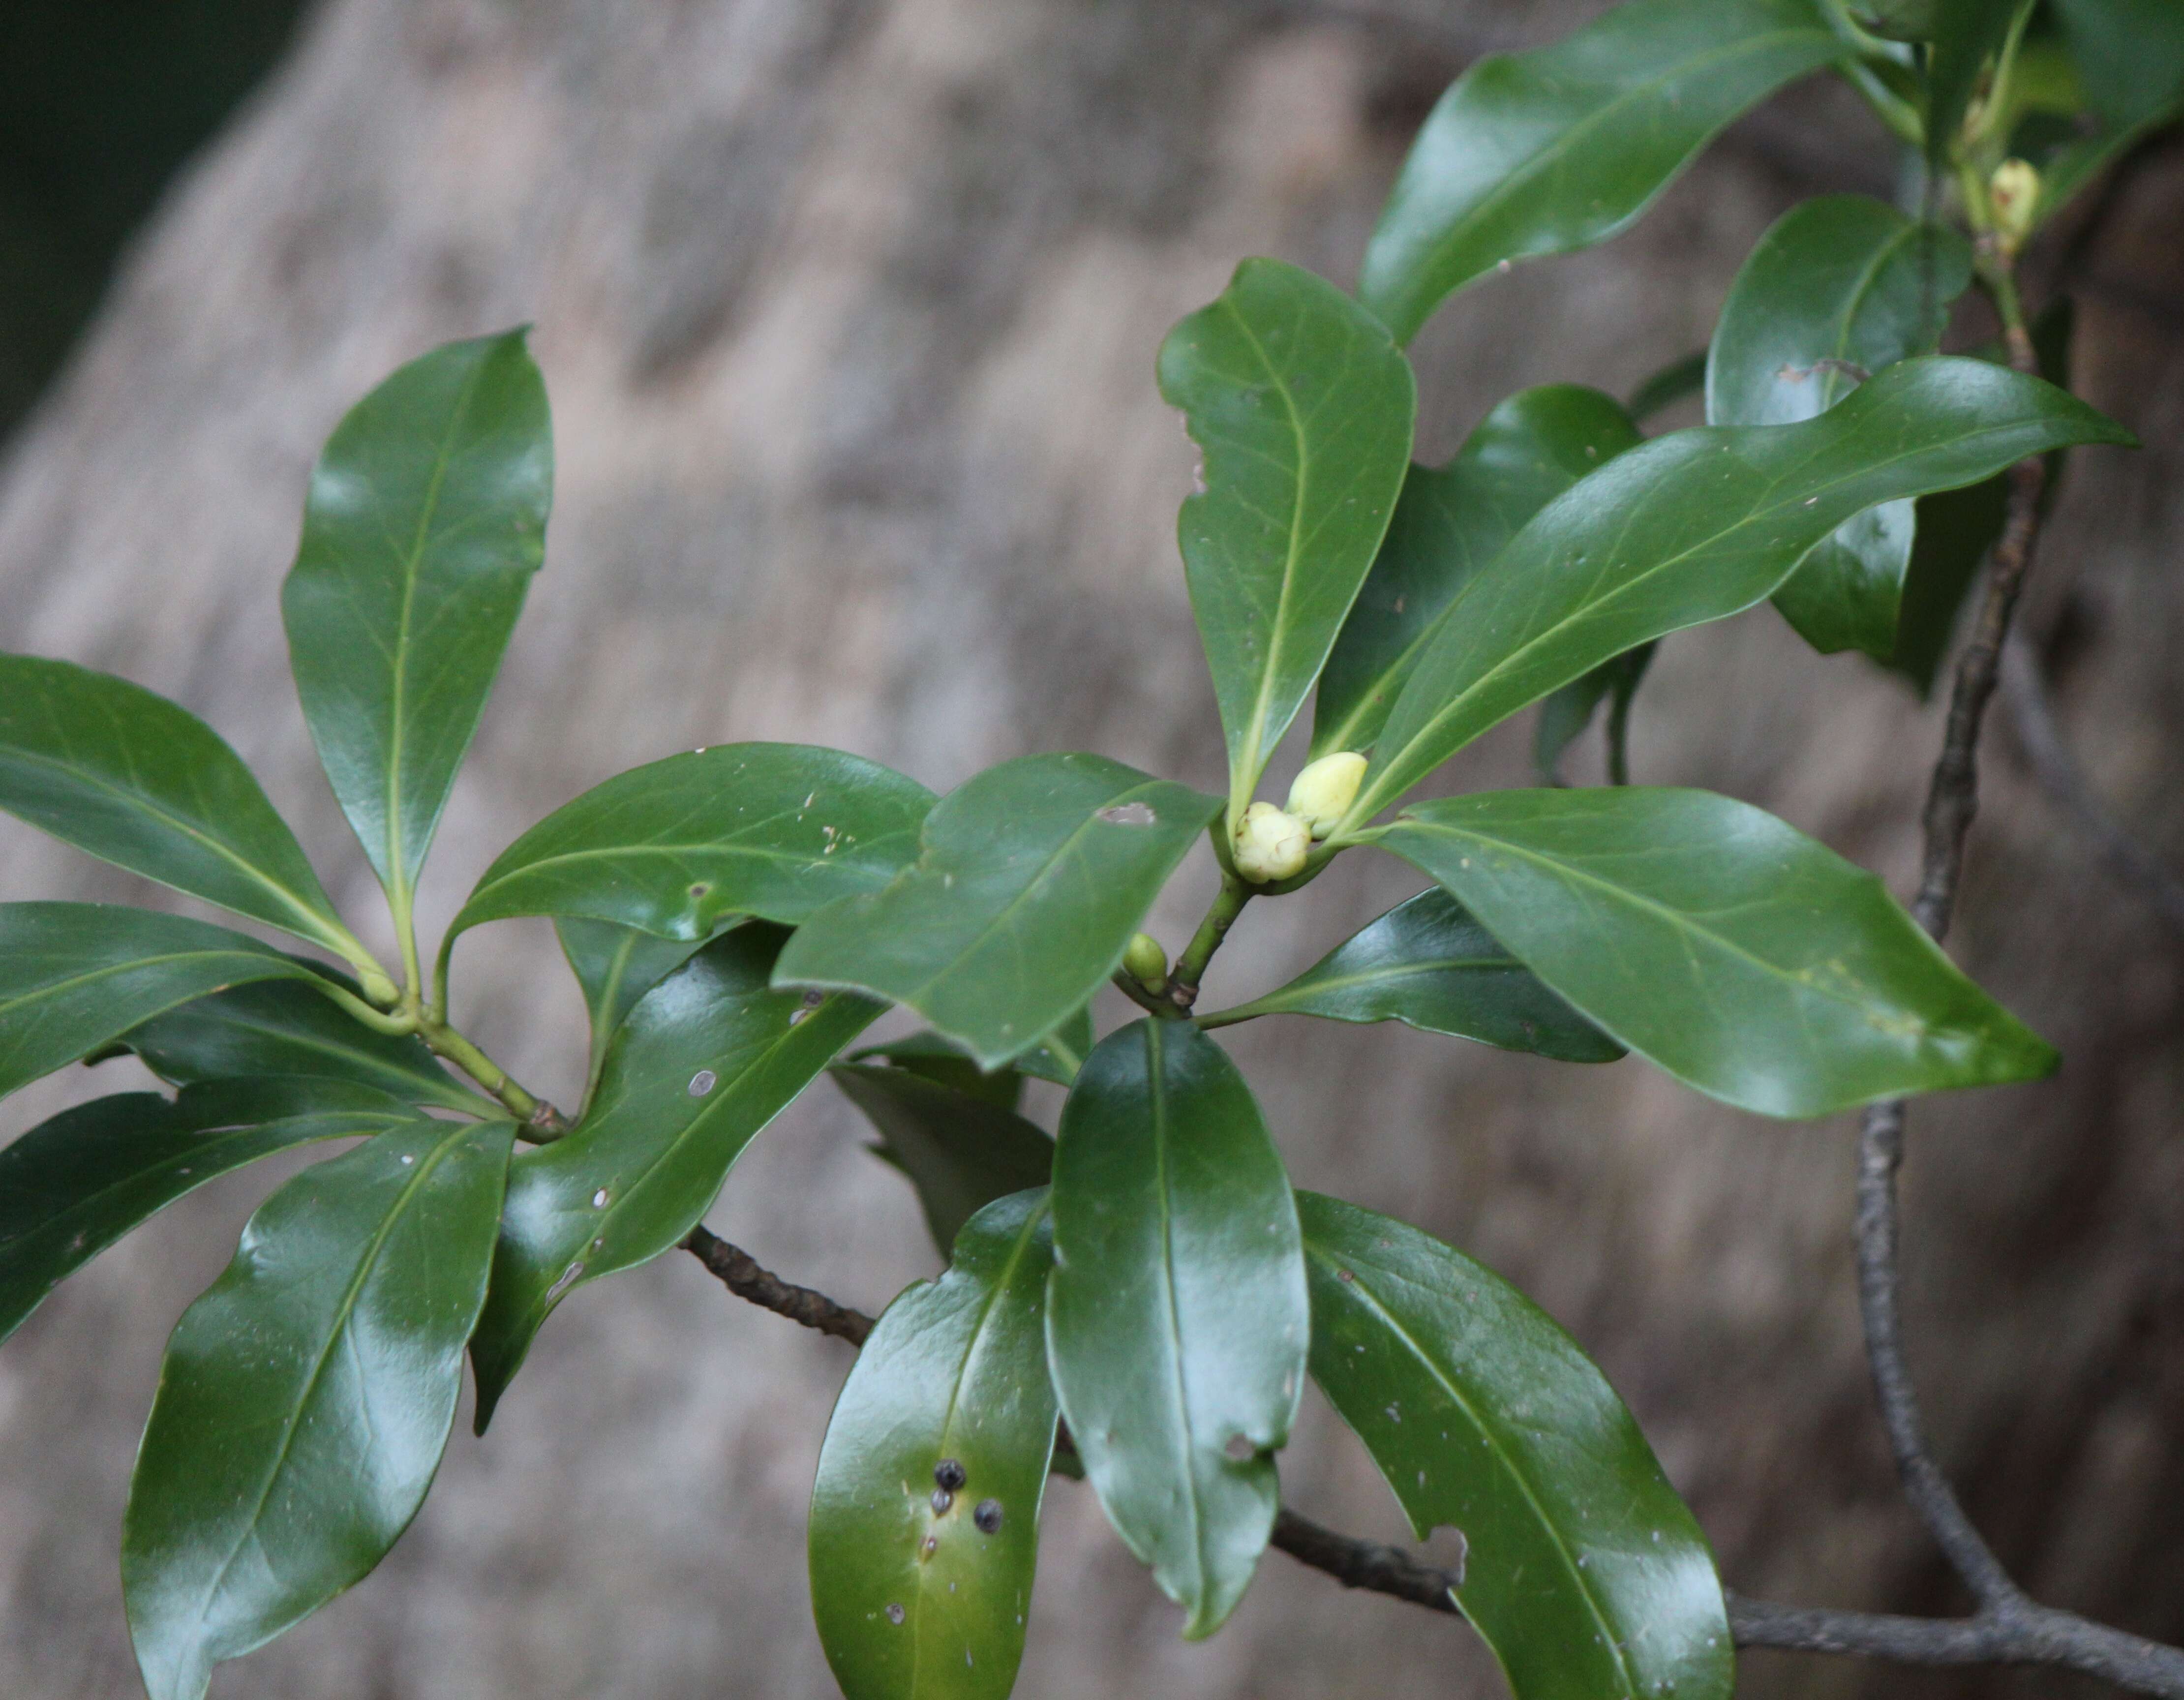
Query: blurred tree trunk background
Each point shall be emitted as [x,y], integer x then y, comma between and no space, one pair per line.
[848,308]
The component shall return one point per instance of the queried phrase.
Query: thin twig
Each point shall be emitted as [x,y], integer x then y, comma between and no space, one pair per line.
[1951,801]
[744,1276]
[2032,715]
[2032,1635]
[1368,1564]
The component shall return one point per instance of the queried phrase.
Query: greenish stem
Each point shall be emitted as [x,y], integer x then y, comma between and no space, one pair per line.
[1128,984]
[1191,967]
[399,1023]
[1901,117]
[543,1123]
[405,929]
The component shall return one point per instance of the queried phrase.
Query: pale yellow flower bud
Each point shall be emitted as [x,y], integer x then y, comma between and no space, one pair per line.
[1271,844]
[2012,194]
[1324,791]
[1144,960]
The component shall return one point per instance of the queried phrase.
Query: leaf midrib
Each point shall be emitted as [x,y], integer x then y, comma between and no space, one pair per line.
[427,1165]
[215,1143]
[412,568]
[1156,1096]
[1577,1575]
[1255,730]
[988,1301]
[1592,606]
[314,917]
[1676,918]
[53,988]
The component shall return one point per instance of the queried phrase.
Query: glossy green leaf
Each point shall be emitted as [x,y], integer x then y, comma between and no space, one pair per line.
[1839,288]
[1663,389]
[306,1397]
[1030,880]
[1957,527]
[131,778]
[74,975]
[2129,55]
[614,965]
[1967,35]
[1429,965]
[284,1027]
[1563,147]
[678,847]
[704,1060]
[1177,1320]
[1566,711]
[76,1183]
[943,1061]
[1741,956]
[917,1598]
[426,521]
[1302,408]
[1451,522]
[962,1152]
[1695,525]
[1585,1573]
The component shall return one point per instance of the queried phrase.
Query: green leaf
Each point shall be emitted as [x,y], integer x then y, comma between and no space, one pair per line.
[704,1060]
[615,965]
[1031,879]
[1741,956]
[1565,146]
[679,847]
[1695,525]
[960,1150]
[1967,33]
[306,1397]
[1450,522]
[131,778]
[2130,56]
[1664,389]
[1177,1320]
[1957,527]
[281,1028]
[74,975]
[1567,711]
[76,1183]
[1429,965]
[1585,1573]
[426,521]
[943,1061]
[1838,289]
[1302,408]
[915,1603]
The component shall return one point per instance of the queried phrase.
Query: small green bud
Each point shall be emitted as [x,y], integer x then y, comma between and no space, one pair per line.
[377,988]
[1271,844]
[1324,791]
[2013,195]
[1146,962]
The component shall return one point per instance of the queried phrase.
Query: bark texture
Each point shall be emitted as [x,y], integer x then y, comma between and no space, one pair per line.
[848,308]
